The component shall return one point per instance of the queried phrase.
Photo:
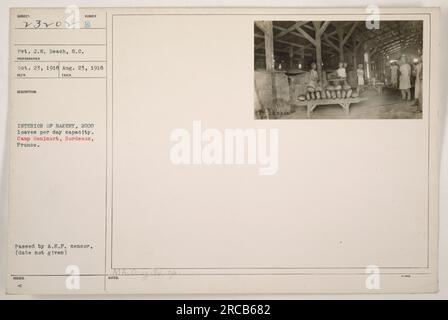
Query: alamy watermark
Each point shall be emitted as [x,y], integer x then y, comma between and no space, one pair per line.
[373,278]
[73,279]
[373,19]
[226,147]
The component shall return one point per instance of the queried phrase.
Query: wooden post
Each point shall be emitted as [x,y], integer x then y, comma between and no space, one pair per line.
[270,62]
[318,45]
[366,53]
[291,57]
[355,55]
[268,31]
[269,45]
[302,57]
[340,31]
[319,56]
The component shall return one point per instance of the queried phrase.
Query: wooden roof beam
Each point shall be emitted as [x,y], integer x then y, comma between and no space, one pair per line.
[306,35]
[350,32]
[290,29]
[329,42]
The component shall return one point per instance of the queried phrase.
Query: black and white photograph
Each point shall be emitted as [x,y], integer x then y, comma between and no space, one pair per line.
[338,69]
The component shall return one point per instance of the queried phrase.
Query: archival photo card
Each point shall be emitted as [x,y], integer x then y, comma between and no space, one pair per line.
[338,69]
[143,159]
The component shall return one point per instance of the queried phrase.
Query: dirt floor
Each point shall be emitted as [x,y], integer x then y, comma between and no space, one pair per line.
[387,106]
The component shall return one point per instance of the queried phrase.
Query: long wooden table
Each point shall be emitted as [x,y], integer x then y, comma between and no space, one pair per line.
[344,103]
